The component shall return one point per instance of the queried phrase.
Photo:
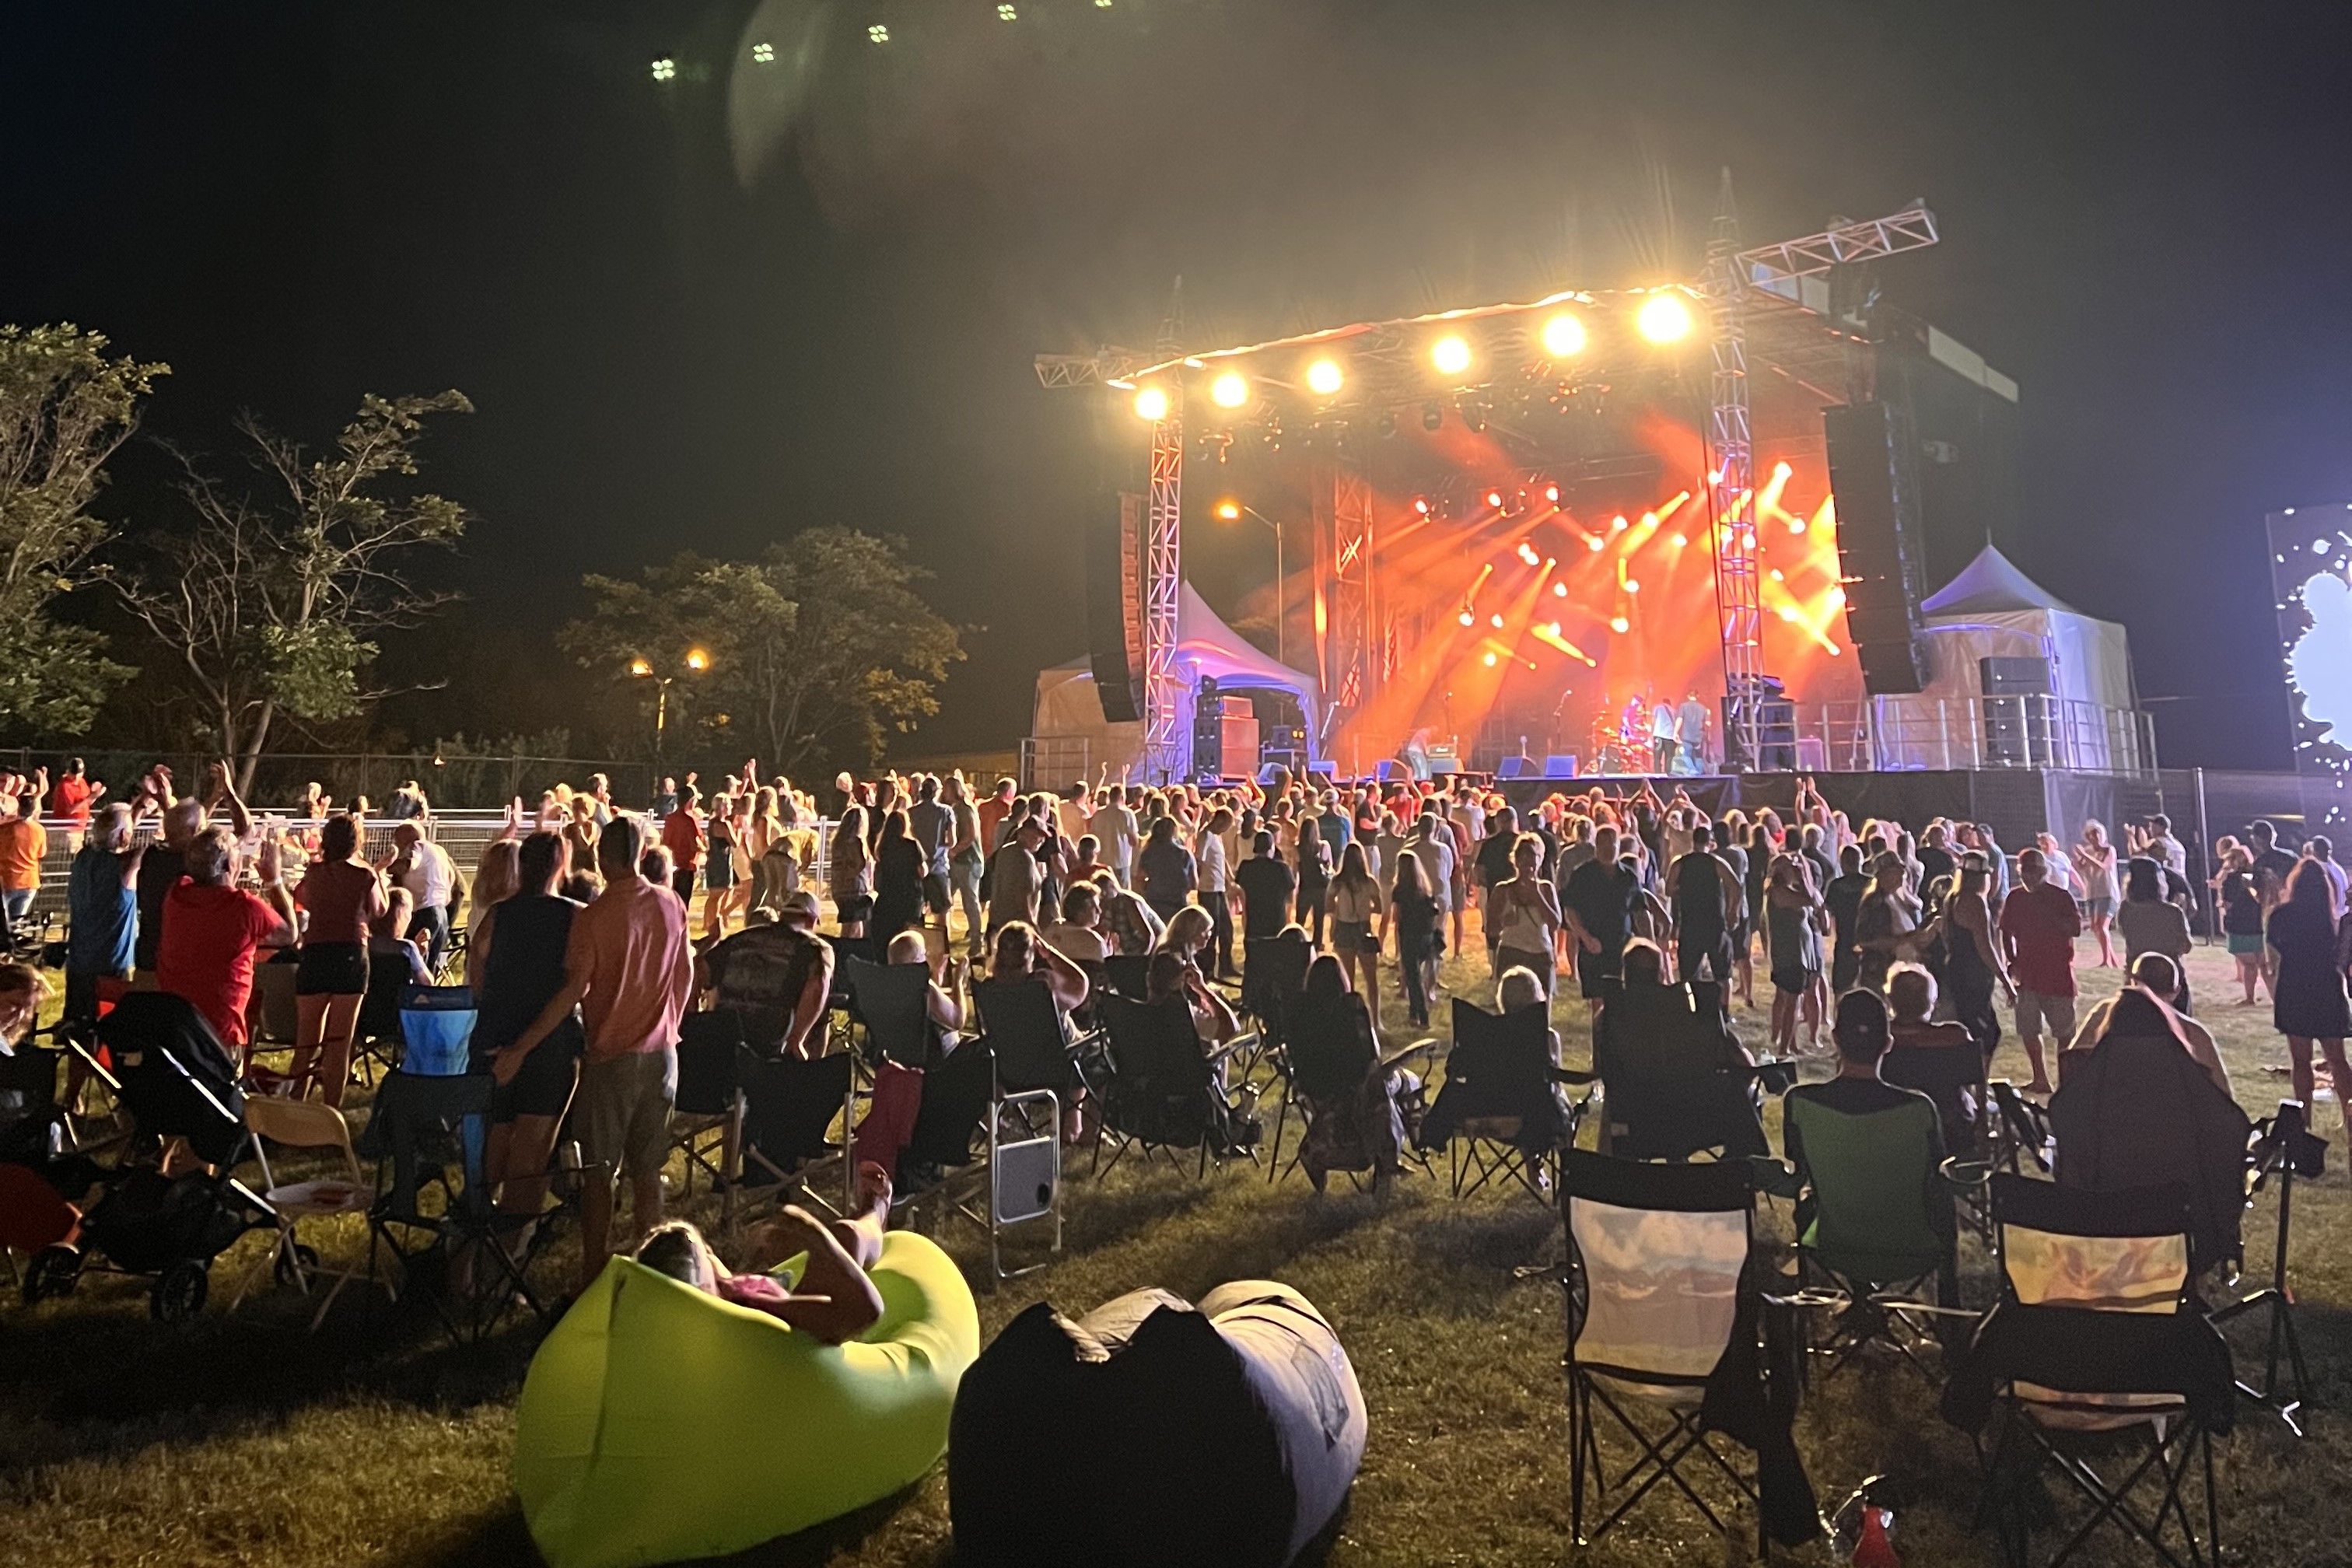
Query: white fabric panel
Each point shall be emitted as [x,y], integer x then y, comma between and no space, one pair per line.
[1664,1287]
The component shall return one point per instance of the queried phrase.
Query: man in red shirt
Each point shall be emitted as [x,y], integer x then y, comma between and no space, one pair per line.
[2039,923]
[629,969]
[72,800]
[212,928]
[682,836]
[993,813]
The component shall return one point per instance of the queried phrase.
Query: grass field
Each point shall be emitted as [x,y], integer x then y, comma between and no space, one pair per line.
[241,1439]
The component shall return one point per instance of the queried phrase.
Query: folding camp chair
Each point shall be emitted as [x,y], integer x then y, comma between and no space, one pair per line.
[436,1030]
[1662,1302]
[1128,974]
[1876,1224]
[708,1112]
[1672,1082]
[420,1127]
[1954,1076]
[375,1033]
[891,1002]
[1326,1059]
[303,1124]
[2095,1362]
[2282,1147]
[1498,1115]
[1164,1093]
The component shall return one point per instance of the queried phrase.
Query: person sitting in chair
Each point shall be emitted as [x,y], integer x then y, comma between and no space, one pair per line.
[832,1299]
[1371,1126]
[2158,976]
[1864,1035]
[1676,1075]
[941,1003]
[1173,973]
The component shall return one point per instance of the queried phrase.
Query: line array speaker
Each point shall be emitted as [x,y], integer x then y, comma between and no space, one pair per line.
[1874,475]
[1115,609]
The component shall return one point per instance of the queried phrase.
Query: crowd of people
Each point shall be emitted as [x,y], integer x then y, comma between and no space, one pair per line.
[581,935]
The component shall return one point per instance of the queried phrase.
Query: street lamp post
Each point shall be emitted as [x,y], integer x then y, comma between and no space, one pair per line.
[1234,512]
[696,661]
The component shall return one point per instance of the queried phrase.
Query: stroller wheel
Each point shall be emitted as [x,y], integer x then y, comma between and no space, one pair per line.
[52,1271]
[180,1292]
[305,1259]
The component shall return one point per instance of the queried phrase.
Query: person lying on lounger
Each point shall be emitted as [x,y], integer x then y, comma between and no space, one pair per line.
[832,1299]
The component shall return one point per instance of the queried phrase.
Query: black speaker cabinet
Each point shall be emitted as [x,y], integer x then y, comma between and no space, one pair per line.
[1873,453]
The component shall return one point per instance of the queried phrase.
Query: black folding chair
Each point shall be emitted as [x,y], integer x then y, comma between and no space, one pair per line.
[1672,1086]
[1954,1076]
[421,1126]
[1128,974]
[1661,1304]
[708,1113]
[1164,1094]
[1498,1115]
[891,1002]
[2282,1147]
[2097,1364]
[1324,1064]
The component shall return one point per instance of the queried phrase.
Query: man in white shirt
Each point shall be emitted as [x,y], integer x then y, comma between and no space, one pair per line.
[1072,813]
[1663,722]
[1692,723]
[1123,833]
[424,868]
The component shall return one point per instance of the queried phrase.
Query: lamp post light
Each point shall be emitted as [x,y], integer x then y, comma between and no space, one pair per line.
[696,662]
[1234,512]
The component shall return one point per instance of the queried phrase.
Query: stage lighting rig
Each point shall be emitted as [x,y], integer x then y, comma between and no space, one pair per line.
[1230,390]
[1451,354]
[1664,318]
[1151,404]
[1324,378]
[1433,417]
[1564,336]
[878,33]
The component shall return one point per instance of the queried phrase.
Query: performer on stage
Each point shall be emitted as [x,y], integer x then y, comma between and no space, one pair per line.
[1414,753]
[1692,724]
[1663,720]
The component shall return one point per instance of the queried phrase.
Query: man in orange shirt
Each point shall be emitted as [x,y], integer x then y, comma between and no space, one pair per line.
[23,842]
[682,836]
[629,969]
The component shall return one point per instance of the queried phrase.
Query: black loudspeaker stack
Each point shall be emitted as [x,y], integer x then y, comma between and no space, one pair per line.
[1882,541]
[1115,609]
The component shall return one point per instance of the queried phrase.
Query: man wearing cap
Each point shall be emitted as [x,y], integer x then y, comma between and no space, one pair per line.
[776,977]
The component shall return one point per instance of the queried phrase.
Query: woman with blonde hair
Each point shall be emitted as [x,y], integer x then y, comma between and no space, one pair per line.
[2094,864]
[1359,914]
[496,878]
[852,873]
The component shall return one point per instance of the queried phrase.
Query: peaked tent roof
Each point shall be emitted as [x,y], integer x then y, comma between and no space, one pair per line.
[1991,585]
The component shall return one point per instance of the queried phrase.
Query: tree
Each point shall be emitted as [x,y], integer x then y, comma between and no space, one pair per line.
[817,651]
[273,609]
[65,407]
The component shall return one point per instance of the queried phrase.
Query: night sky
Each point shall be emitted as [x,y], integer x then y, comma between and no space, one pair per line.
[710,312]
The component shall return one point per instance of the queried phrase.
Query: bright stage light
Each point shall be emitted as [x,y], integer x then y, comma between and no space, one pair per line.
[1788,611]
[1151,404]
[1563,336]
[763,54]
[1592,542]
[1559,590]
[1468,619]
[1495,621]
[1493,497]
[1715,475]
[1007,14]
[1490,662]
[1617,523]
[1782,470]
[1776,575]
[1663,319]
[878,33]
[1679,540]
[1230,390]
[1451,354]
[1836,595]
[1553,629]
[1527,553]
[1619,624]
[665,69]
[1421,505]
[1551,494]
[1631,586]
[1324,377]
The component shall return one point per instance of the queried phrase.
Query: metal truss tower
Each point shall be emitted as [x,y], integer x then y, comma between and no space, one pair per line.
[1354,650]
[1731,488]
[1167,726]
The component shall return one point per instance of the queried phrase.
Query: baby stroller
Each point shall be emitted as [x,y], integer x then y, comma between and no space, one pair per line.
[171,1074]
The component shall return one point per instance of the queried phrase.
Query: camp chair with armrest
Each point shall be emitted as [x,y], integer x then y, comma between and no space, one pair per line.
[1498,1115]
[1954,1076]
[304,1124]
[2096,1363]
[1324,1064]
[2281,1148]
[1164,1094]
[1876,1226]
[1032,1045]
[376,1032]
[891,1003]
[978,1153]
[708,1112]
[1128,974]
[2021,1129]
[1665,1330]
[421,1126]
[1673,1083]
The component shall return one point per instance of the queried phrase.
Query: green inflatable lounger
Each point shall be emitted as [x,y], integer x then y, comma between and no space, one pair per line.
[659,1423]
[1151,1434]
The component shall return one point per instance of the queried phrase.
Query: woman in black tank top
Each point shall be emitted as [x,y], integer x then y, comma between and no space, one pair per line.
[521,973]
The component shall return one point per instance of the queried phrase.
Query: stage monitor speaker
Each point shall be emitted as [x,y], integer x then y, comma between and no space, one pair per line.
[1874,475]
[1516,768]
[1115,609]
[1559,766]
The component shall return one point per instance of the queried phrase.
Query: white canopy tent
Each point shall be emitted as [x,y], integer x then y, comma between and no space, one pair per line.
[1992,610]
[1068,722]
